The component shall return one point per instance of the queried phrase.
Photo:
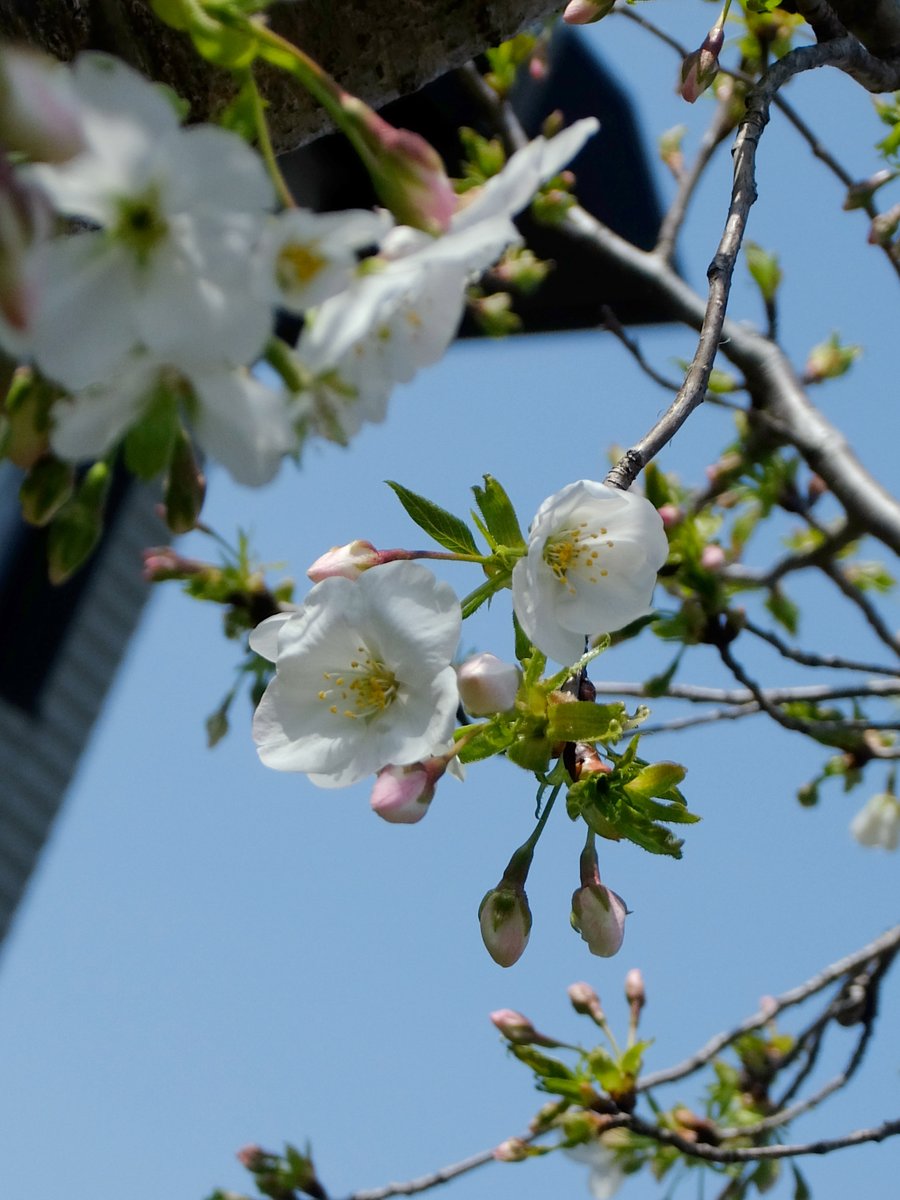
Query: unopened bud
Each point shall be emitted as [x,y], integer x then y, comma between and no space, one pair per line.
[586,1002]
[712,558]
[700,68]
[407,172]
[884,226]
[634,989]
[487,684]
[671,514]
[505,920]
[24,220]
[671,151]
[185,487]
[585,12]
[348,561]
[162,563]
[597,913]
[401,795]
[39,114]
[512,1150]
[859,194]
[830,360]
[518,1030]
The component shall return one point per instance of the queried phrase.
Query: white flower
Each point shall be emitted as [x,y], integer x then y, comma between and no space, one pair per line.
[169,269]
[245,425]
[311,256]
[878,822]
[593,555]
[606,1175]
[402,313]
[363,675]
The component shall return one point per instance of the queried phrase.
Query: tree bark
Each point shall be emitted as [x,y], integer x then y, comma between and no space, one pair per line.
[875,22]
[376,49]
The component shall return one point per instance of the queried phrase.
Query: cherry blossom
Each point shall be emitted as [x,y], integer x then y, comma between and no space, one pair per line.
[363,676]
[593,555]
[878,822]
[177,213]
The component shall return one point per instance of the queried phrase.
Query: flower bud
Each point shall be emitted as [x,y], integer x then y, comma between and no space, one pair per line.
[505,920]
[406,171]
[585,12]
[884,226]
[38,110]
[830,360]
[401,795]
[487,684]
[162,562]
[348,561]
[700,68]
[597,913]
[185,487]
[518,1030]
[77,527]
[586,1002]
[634,988]
[512,1150]
[712,558]
[860,194]
[24,221]
[671,514]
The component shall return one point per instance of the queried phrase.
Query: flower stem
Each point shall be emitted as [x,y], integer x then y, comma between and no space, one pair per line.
[266,149]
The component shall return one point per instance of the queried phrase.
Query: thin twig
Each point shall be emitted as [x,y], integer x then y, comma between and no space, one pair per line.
[808,659]
[886,944]
[432,1179]
[809,693]
[864,604]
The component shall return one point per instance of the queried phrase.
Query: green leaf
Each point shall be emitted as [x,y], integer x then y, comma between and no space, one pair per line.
[764,269]
[584,721]
[801,1187]
[499,515]
[657,779]
[493,739]
[784,610]
[675,813]
[542,1064]
[446,529]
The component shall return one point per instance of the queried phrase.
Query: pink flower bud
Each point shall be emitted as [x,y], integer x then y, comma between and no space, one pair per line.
[712,558]
[39,114]
[584,12]
[25,219]
[505,920]
[487,684]
[162,562]
[700,68]
[586,1001]
[512,1150]
[518,1030]
[634,988]
[597,913]
[407,172]
[347,561]
[401,795]
[671,514]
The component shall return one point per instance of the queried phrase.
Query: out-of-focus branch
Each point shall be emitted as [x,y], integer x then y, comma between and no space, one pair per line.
[884,946]
[809,693]
[808,659]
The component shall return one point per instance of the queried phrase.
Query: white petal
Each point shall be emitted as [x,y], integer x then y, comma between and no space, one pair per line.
[243,424]
[85,426]
[85,324]
[264,638]
[213,169]
[413,613]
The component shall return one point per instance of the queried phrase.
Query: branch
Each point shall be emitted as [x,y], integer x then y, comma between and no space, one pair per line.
[698,694]
[424,1182]
[884,946]
[808,659]
[721,1154]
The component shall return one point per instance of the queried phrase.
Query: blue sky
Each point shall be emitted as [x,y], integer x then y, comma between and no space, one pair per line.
[213,954]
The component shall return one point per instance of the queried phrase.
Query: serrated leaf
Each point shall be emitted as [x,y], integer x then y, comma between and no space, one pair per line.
[542,1064]
[674,813]
[446,529]
[492,740]
[499,515]
[584,721]
[657,779]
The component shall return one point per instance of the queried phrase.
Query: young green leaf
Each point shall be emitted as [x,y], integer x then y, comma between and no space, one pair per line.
[446,529]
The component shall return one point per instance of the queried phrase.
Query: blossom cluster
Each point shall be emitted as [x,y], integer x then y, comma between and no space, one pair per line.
[159,296]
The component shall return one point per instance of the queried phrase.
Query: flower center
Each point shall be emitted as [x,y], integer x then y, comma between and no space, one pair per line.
[296,265]
[364,690]
[576,551]
[141,225]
